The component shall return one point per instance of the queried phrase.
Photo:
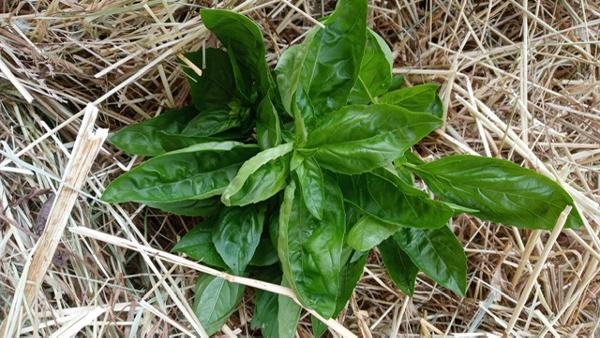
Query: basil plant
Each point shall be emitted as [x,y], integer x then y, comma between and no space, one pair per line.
[299,171]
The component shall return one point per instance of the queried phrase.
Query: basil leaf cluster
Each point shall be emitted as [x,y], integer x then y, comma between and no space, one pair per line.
[299,171]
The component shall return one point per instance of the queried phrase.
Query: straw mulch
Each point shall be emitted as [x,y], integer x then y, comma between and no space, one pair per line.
[521,82]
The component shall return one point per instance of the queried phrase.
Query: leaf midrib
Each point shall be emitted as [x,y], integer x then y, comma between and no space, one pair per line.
[508,193]
[189,178]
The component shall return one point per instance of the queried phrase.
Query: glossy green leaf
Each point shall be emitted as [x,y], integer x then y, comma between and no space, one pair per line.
[390,202]
[413,158]
[216,85]
[288,314]
[244,43]
[359,138]
[334,55]
[274,228]
[215,120]
[195,172]
[405,175]
[260,177]
[265,304]
[422,98]
[303,112]
[390,173]
[215,300]
[237,234]
[437,107]
[198,245]
[351,272]
[352,214]
[265,253]
[375,74]
[171,141]
[438,254]
[276,315]
[368,232]
[312,187]
[318,327]
[268,128]
[397,82]
[145,138]
[502,191]
[402,170]
[189,207]
[265,314]
[399,266]
[310,250]
[287,74]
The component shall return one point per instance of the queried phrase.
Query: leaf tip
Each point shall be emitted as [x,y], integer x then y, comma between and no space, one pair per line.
[108,196]
[176,249]
[410,292]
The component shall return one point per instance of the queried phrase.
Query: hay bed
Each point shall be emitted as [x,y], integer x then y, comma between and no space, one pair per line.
[521,81]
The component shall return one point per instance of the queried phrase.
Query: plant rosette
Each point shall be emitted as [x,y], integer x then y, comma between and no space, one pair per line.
[301,170]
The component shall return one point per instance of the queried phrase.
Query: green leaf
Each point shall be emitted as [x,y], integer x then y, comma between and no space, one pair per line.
[415,98]
[274,228]
[402,171]
[413,158]
[260,177]
[276,315]
[368,232]
[237,234]
[145,138]
[359,138]
[265,253]
[350,275]
[391,202]
[302,111]
[189,207]
[171,131]
[265,314]
[287,74]
[288,314]
[244,43]
[216,299]
[318,327]
[171,141]
[438,254]
[334,55]
[196,172]
[502,191]
[197,244]
[310,250]
[310,179]
[437,107]
[397,82]
[216,85]
[265,304]
[399,266]
[375,74]
[405,175]
[215,120]
[268,128]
